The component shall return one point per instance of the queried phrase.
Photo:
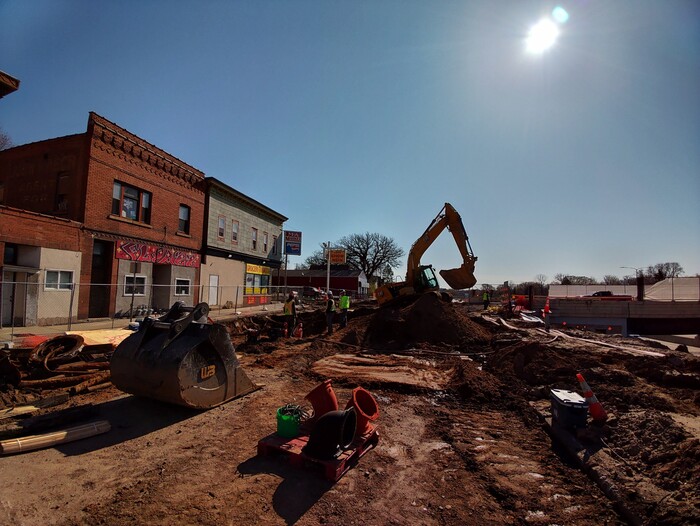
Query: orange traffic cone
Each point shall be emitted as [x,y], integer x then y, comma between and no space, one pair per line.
[595,408]
[299,331]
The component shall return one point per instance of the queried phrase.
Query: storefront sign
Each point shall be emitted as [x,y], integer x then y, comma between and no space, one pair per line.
[257,269]
[134,251]
[336,255]
[292,243]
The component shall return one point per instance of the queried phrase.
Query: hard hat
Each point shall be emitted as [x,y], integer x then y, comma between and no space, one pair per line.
[330,294]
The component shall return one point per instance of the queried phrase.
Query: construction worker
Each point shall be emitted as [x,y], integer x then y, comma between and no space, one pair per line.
[344,305]
[290,314]
[487,299]
[330,311]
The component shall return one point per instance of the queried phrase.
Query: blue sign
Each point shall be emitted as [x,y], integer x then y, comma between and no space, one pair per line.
[292,243]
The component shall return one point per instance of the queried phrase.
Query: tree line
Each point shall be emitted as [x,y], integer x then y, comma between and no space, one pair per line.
[377,255]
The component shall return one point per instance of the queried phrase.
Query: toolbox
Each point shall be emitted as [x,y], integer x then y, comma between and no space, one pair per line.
[569,409]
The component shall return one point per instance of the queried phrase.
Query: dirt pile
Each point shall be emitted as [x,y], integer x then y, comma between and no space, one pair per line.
[475,385]
[427,320]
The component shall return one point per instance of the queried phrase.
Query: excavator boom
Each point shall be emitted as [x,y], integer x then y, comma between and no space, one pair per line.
[420,278]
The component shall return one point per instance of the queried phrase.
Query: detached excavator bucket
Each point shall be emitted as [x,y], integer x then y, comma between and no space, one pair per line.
[182,359]
[460,278]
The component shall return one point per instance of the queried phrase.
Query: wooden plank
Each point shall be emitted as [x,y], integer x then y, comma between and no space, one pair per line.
[103,336]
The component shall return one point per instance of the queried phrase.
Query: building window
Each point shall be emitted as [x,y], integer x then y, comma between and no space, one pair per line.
[62,190]
[182,287]
[10,255]
[222,227]
[234,232]
[265,242]
[58,280]
[134,285]
[184,219]
[131,203]
[274,245]
[254,237]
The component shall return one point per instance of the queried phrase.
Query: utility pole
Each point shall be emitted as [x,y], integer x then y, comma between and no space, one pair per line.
[328,266]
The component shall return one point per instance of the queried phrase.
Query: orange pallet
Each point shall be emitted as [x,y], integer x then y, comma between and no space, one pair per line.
[291,449]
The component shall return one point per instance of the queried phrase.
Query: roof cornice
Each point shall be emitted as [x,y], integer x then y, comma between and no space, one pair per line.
[220,185]
[116,138]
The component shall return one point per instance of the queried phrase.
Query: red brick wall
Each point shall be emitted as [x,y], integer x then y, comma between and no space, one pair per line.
[26,228]
[30,176]
[116,154]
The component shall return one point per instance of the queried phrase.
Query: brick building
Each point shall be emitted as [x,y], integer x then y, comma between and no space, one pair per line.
[141,212]
[41,258]
[243,247]
[342,277]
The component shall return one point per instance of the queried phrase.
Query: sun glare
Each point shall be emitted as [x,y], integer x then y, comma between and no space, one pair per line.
[542,36]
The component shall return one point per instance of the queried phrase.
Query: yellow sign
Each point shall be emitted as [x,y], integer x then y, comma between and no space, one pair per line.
[257,269]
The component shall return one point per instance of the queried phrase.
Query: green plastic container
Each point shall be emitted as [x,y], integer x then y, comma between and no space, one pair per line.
[287,425]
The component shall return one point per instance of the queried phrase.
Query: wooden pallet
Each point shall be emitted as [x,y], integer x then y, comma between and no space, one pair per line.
[291,449]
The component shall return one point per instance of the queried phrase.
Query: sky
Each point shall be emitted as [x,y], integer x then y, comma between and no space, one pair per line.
[354,116]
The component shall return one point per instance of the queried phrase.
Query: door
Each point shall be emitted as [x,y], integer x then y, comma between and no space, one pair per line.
[7,290]
[100,278]
[213,289]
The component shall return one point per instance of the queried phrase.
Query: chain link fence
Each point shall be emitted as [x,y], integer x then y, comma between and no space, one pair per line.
[36,303]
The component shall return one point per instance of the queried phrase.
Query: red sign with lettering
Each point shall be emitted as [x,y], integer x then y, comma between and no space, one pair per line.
[134,251]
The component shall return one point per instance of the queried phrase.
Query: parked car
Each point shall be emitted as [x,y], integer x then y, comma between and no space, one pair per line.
[608,295]
[312,292]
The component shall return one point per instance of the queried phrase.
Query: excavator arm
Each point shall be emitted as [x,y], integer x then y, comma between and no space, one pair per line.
[421,278]
[457,278]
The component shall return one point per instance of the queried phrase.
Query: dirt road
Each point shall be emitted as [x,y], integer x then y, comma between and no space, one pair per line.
[463,444]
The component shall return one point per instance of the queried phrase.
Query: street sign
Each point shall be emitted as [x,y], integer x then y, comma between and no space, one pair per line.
[292,243]
[336,256]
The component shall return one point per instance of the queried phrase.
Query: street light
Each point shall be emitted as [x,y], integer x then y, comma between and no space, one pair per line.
[634,268]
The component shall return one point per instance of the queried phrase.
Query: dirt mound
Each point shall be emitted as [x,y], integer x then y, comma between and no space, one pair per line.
[426,320]
[474,385]
[535,364]
[619,380]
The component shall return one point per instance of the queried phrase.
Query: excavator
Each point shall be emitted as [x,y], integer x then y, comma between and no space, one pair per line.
[421,278]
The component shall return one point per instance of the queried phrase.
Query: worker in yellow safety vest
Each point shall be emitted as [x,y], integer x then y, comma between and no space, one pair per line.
[487,299]
[344,305]
[290,314]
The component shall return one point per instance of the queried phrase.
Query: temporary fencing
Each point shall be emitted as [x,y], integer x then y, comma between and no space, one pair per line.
[42,303]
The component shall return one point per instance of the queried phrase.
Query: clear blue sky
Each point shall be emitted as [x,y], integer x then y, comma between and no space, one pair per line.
[368,115]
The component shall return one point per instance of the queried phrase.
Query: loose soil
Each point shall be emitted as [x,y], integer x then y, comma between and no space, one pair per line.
[463,403]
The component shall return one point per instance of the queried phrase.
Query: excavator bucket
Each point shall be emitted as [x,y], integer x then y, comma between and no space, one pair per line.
[181,358]
[461,277]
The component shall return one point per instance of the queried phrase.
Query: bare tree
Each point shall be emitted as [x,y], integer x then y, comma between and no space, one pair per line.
[612,280]
[317,258]
[661,271]
[567,279]
[541,279]
[371,253]
[5,141]
[387,274]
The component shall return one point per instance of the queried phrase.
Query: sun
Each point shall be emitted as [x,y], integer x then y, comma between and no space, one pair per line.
[541,36]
